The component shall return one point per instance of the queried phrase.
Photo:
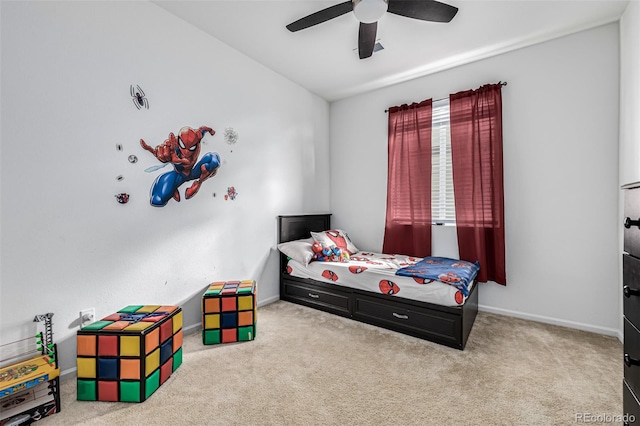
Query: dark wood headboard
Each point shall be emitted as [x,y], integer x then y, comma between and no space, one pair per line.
[296,227]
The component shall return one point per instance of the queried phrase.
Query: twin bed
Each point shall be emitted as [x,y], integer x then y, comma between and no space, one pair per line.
[367,288]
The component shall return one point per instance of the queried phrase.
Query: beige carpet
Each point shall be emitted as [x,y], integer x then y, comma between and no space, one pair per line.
[312,368]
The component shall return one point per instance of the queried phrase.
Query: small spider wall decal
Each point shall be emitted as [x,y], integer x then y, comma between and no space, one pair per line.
[138,97]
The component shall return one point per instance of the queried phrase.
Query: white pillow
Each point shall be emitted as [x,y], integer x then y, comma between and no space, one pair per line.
[335,237]
[298,250]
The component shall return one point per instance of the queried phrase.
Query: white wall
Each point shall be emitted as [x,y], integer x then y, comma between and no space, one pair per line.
[560,113]
[66,243]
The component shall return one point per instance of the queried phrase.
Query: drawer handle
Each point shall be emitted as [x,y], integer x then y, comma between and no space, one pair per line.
[630,361]
[314,296]
[628,223]
[401,316]
[628,292]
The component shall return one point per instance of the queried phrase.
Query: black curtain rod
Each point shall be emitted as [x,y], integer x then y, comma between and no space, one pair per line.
[503,83]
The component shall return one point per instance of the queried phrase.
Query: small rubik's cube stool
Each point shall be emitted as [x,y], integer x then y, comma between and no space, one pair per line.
[229,312]
[128,355]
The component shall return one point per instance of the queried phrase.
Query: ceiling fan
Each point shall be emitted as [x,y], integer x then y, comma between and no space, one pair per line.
[368,12]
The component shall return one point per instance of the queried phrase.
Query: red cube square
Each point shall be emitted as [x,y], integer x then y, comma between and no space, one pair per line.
[229,335]
[107,391]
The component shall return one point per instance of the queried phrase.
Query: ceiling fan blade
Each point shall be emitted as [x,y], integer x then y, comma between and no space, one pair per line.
[367,39]
[321,16]
[426,10]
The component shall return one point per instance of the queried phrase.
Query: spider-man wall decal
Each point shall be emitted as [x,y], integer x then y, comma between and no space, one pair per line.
[138,97]
[182,152]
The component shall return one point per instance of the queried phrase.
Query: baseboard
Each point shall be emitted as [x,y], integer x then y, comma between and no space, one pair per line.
[268,301]
[554,321]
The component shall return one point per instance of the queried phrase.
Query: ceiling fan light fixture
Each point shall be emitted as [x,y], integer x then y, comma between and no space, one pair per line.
[370,11]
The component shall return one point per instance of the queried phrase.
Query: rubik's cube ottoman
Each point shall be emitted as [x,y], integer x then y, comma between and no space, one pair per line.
[128,355]
[229,311]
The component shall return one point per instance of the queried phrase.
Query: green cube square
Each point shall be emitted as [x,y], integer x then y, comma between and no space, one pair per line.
[177,359]
[86,390]
[151,384]
[245,333]
[98,325]
[130,309]
[129,391]
[210,337]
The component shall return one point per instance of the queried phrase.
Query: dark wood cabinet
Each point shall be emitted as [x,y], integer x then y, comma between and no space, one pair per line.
[631,301]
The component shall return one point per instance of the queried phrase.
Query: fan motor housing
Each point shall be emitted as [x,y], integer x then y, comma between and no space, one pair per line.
[369,11]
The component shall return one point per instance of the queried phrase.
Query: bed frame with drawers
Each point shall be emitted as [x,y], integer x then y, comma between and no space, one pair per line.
[446,325]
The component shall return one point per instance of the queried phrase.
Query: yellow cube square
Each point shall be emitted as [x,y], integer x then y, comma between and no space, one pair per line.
[86,368]
[129,346]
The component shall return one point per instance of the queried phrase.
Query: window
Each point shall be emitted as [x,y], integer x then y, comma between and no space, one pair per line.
[442,201]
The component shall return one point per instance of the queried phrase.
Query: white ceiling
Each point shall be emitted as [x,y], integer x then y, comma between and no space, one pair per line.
[324,58]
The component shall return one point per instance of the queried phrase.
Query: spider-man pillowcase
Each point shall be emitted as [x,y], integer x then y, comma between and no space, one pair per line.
[336,237]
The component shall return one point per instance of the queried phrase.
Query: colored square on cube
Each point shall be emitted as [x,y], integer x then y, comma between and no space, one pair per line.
[97,325]
[229,335]
[139,326]
[245,333]
[113,317]
[118,325]
[86,390]
[108,391]
[229,320]
[127,356]
[130,392]
[229,312]
[107,345]
[211,337]
[177,359]
[147,308]
[130,309]
[229,304]
[245,303]
[152,340]
[166,350]
[166,331]
[130,369]
[245,318]
[211,321]
[177,341]
[152,362]
[86,345]
[151,384]
[165,371]
[177,322]
[211,304]
[129,345]
[107,368]
[86,368]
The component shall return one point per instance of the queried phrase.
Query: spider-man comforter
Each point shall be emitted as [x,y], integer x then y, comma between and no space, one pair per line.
[376,272]
[458,273]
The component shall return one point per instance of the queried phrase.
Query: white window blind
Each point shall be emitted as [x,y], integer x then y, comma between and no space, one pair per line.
[442,201]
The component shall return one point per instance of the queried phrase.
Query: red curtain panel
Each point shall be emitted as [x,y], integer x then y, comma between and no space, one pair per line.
[476,154]
[408,221]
